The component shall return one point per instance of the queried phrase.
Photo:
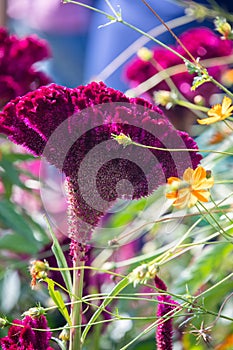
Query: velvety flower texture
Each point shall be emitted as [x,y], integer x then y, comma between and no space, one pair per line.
[164,310]
[73,129]
[17,73]
[201,42]
[22,336]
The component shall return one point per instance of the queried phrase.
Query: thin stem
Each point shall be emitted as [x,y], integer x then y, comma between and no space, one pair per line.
[76,308]
[191,105]
[222,87]
[152,38]
[119,60]
[111,8]
[170,31]
[181,149]
[88,7]
[224,233]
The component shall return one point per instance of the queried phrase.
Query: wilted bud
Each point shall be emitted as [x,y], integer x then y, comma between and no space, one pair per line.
[3,322]
[145,54]
[65,335]
[223,27]
[122,139]
[38,270]
[142,274]
[34,312]
[198,11]
[165,98]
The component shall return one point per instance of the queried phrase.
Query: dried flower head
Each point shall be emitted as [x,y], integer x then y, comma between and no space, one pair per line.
[143,273]
[38,270]
[223,27]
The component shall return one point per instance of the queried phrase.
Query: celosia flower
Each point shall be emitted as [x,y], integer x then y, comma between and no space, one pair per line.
[17,73]
[194,186]
[24,336]
[218,112]
[64,125]
[165,309]
[202,43]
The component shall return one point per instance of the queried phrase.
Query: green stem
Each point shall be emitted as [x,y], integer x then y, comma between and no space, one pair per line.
[222,87]
[76,308]
[181,149]
[191,105]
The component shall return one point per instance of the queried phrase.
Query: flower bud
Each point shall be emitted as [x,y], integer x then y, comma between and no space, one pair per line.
[145,54]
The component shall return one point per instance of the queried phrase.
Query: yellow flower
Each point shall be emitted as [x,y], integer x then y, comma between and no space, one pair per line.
[194,186]
[218,112]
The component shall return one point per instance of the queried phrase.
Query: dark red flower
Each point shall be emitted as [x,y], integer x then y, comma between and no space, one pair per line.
[23,336]
[73,129]
[17,57]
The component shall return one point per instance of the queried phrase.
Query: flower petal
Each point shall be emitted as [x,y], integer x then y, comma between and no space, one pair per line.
[188,175]
[210,120]
[202,195]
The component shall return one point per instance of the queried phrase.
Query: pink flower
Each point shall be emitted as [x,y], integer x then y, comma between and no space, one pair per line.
[202,43]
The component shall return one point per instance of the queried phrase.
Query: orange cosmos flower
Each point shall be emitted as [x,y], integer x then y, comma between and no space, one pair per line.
[218,112]
[194,186]
[227,344]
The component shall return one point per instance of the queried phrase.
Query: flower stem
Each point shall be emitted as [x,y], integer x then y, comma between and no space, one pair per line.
[222,87]
[191,105]
[76,308]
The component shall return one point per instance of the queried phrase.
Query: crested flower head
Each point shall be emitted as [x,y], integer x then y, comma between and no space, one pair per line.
[202,43]
[17,74]
[73,128]
[24,336]
[194,186]
[165,308]
[218,112]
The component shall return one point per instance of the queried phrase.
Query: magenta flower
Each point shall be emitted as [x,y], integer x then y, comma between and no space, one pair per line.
[201,42]
[164,313]
[23,336]
[72,129]
[17,73]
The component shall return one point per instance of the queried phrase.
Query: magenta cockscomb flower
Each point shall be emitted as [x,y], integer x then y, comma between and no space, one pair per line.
[72,129]
[24,336]
[202,43]
[165,309]
[17,57]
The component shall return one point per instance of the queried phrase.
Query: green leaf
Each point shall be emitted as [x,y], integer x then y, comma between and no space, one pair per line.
[16,243]
[14,220]
[204,268]
[11,174]
[57,298]
[15,157]
[60,258]
[115,291]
